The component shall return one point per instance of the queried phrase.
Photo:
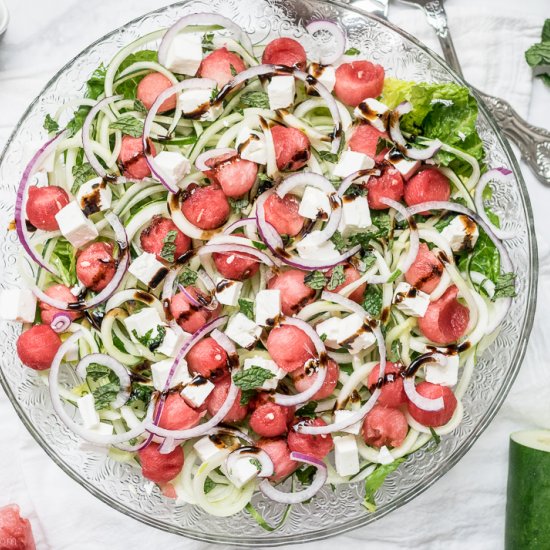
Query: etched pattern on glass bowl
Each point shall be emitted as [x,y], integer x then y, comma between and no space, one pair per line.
[330,512]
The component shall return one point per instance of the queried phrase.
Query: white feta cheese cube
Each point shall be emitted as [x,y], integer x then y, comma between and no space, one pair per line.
[374,112]
[17,304]
[410,300]
[243,331]
[184,55]
[385,456]
[172,342]
[354,334]
[267,306]
[462,233]
[445,372]
[208,450]
[196,391]
[161,369]
[346,455]
[406,167]
[86,408]
[242,471]
[341,415]
[330,328]
[94,196]
[350,162]
[251,145]
[75,226]
[196,102]
[325,74]
[309,249]
[228,292]
[140,323]
[268,364]
[314,203]
[173,166]
[147,269]
[355,215]
[281,91]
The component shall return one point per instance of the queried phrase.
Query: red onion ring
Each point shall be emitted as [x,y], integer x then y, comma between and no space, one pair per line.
[21,200]
[296,399]
[300,496]
[118,368]
[347,182]
[396,135]
[501,176]
[275,244]
[238,224]
[224,341]
[414,242]
[89,435]
[201,19]
[200,163]
[104,295]
[60,322]
[268,70]
[191,83]
[266,463]
[423,403]
[337,35]
[86,145]
[189,296]
[231,248]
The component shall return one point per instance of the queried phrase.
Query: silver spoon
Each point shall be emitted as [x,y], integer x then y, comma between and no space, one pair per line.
[533,142]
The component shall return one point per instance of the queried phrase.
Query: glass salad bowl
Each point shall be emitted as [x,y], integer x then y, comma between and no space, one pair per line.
[330,512]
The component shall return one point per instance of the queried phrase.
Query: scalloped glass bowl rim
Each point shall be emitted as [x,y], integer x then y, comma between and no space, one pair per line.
[273,539]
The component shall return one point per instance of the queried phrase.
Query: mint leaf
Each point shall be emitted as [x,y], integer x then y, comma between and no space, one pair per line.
[140,392]
[50,125]
[96,85]
[355,191]
[239,204]
[95,371]
[369,260]
[104,395]
[208,485]
[546,31]
[375,481]
[505,286]
[208,40]
[128,125]
[257,463]
[233,70]
[169,246]
[128,87]
[246,396]
[258,100]
[259,245]
[252,378]
[338,241]
[337,277]
[305,475]
[246,307]
[328,156]
[150,341]
[382,144]
[139,106]
[382,221]
[64,259]
[315,279]
[187,277]
[373,300]
[352,51]
[82,174]
[538,54]
[307,411]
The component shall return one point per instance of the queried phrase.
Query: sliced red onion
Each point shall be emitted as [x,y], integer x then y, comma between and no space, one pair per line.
[395,132]
[501,176]
[269,70]
[224,341]
[201,19]
[21,199]
[123,263]
[300,496]
[191,83]
[274,242]
[118,368]
[60,322]
[291,400]
[423,403]
[232,248]
[338,39]
[137,446]
[228,430]
[206,280]
[244,222]
[168,286]
[89,435]
[190,298]
[251,452]
[86,145]
[347,182]
[200,163]
[414,242]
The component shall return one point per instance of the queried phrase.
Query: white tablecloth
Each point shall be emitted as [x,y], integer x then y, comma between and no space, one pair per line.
[465,509]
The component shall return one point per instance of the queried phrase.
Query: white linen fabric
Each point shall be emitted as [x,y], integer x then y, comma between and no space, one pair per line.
[465,509]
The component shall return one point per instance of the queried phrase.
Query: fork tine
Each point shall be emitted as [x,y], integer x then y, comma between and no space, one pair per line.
[376,7]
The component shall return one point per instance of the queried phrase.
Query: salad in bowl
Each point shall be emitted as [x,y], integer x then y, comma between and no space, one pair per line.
[258,267]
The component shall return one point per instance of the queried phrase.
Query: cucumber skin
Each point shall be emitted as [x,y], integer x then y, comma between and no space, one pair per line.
[528,502]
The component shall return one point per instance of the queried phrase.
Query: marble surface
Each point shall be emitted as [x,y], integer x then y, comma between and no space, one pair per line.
[465,509]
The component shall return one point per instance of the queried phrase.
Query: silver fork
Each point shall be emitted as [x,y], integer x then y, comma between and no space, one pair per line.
[533,142]
[376,7]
